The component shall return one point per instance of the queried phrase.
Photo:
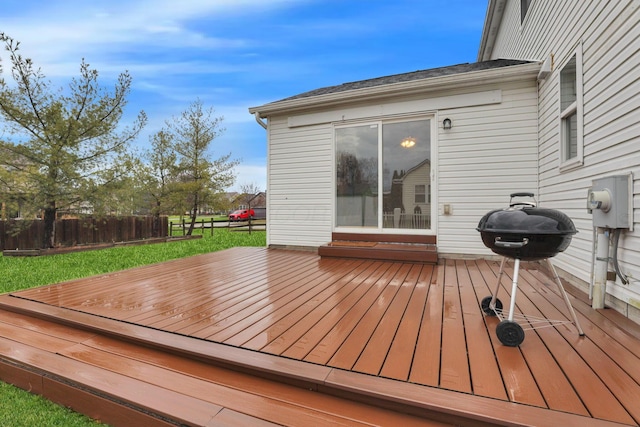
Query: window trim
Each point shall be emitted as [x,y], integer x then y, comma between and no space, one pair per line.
[576,108]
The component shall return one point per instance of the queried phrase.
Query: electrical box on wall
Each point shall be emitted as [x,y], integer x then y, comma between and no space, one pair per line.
[610,201]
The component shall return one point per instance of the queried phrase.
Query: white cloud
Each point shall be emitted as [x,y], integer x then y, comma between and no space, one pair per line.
[250,174]
[55,28]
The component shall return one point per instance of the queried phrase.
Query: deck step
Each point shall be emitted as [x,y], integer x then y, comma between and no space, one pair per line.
[387,247]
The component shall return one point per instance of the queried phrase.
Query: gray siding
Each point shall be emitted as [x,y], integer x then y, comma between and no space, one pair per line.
[610,37]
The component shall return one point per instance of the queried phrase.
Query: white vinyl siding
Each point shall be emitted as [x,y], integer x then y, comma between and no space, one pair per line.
[489,153]
[300,192]
[609,33]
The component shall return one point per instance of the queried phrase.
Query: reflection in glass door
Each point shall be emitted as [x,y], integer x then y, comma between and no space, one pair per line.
[357,176]
[406,163]
[403,176]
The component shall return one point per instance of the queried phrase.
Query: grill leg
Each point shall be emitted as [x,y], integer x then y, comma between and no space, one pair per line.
[514,288]
[565,296]
[495,292]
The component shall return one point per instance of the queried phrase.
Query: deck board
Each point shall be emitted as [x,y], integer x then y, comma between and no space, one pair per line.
[316,313]
[307,319]
[483,366]
[239,381]
[375,352]
[520,384]
[319,345]
[261,406]
[619,384]
[454,367]
[426,362]
[400,356]
[350,350]
[564,343]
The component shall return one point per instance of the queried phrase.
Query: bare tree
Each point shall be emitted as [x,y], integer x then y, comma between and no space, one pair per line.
[249,192]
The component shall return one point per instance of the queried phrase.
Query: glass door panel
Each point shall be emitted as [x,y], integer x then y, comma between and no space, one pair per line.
[406,166]
[357,176]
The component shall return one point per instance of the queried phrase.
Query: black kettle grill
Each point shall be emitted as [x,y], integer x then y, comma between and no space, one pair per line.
[523,231]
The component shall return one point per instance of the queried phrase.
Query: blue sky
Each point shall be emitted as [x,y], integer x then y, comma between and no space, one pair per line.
[236,54]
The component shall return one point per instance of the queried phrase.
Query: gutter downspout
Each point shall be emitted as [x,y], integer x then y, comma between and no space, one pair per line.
[260,122]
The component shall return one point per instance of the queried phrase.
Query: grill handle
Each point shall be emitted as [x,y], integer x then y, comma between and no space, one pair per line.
[522,194]
[511,245]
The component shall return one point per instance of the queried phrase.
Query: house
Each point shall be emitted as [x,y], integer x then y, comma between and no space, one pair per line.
[257,202]
[588,121]
[550,106]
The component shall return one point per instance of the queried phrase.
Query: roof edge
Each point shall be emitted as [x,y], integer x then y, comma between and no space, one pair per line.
[492,21]
[473,78]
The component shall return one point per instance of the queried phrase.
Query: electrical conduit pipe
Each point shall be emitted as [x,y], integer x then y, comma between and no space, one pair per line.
[600,275]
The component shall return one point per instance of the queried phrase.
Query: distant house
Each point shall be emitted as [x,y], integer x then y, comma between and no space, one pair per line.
[551,105]
[257,202]
[416,192]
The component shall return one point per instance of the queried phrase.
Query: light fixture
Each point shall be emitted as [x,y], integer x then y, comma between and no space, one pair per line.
[408,142]
[446,124]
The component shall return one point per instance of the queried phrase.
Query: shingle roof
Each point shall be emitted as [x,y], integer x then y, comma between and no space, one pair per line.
[415,75]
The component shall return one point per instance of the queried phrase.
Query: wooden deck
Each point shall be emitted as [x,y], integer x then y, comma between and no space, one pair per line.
[252,336]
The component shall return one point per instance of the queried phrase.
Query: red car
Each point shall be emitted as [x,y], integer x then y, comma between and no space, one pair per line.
[241,215]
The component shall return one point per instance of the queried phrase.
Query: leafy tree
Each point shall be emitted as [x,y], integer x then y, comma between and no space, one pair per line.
[125,195]
[14,190]
[199,178]
[158,174]
[67,145]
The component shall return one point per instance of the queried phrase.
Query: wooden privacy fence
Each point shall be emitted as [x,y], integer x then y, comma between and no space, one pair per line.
[82,231]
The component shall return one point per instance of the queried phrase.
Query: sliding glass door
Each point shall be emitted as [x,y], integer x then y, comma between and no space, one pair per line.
[357,176]
[383,175]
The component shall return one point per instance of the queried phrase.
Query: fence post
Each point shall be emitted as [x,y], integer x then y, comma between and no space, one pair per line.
[212,226]
[183,226]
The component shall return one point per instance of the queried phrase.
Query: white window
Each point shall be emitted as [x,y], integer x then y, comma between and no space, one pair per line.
[571,144]
[420,193]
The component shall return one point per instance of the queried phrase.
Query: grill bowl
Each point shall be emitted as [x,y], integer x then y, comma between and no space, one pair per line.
[527,233]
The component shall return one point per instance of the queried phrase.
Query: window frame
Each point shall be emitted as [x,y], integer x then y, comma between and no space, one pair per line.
[575,108]
[380,122]
[417,193]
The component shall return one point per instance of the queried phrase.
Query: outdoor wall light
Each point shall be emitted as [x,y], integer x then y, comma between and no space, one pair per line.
[446,124]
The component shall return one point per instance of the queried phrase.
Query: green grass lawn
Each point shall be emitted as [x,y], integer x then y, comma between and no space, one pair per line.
[19,408]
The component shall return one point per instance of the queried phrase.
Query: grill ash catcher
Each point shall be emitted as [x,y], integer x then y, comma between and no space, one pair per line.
[524,232]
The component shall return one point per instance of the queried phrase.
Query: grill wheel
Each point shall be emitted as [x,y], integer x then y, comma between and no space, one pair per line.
[485,304]
[510,333]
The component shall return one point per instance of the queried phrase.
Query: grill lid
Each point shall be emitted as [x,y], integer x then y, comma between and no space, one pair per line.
[526,220]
